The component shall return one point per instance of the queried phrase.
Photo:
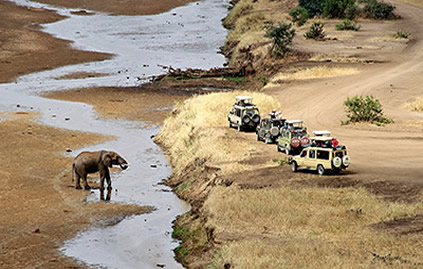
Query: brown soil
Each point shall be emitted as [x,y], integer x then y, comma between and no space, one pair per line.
[127,7]
[24,49]
[39,206]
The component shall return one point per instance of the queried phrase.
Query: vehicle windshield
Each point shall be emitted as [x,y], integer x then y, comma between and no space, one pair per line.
[299,133]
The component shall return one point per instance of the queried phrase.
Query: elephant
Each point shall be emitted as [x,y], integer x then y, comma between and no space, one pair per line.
[98,161]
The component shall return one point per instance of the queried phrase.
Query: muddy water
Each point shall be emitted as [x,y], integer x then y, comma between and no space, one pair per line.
[188,36]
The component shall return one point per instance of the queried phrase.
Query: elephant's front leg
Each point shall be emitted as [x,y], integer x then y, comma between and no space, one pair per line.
[77,180]
[109,181]
[104,175]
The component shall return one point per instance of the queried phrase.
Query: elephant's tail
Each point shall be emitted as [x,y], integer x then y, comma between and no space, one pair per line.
[73,171]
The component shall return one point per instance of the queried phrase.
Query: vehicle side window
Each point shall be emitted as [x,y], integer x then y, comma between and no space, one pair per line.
[312,154]
[323,155]
[303,154]
[238,112]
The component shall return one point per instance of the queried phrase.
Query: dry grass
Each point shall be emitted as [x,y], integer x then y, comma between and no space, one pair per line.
[312,73]
[200,127]
[239,9]
[250,23]
[416,106]
[308,228]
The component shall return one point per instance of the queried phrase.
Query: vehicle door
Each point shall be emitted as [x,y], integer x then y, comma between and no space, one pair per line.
[302,160]
[310,161]
[323,157]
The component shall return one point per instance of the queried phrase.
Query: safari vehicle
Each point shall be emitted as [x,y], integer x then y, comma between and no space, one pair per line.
[244,114]
[321,159]
[293,137]
[269,129]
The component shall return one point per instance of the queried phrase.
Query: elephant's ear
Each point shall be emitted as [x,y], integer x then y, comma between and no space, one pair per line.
[107,160]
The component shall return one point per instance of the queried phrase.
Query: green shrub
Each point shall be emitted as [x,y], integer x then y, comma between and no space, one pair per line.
[364,109]
[314,7]
[351,11]
[400,34]
[348,25]
[379,10]
[336,8]
[316,31]
[281,35]
[299,15]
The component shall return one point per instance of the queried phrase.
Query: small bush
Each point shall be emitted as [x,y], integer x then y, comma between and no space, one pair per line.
[351,11]
[400,34]
[314,7]
[299,15]
[337,8]
[316,31]
[348,25]
[281,35]
[364,109]
[379,10]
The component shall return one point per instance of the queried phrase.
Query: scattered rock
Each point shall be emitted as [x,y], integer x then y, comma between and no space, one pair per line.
[67,119]
[18,105]
[68,150]
[152,136]
[161,265]
[37,231]
[153,165]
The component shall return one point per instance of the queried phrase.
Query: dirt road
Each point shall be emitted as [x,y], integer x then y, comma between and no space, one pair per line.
[390,152]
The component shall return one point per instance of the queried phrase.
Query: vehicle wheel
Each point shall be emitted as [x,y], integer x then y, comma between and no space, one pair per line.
[230,124]
[286,151]
[279,149]
[320,170]
[258,137]
[239,128]
[294,167]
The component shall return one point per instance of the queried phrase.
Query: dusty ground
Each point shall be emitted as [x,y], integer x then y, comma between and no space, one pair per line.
[24,49]
[127,7]
[39,206]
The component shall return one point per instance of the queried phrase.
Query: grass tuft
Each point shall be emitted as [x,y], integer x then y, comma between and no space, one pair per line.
[416,106]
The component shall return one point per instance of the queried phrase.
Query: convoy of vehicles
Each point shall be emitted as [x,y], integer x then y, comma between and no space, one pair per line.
[321,151]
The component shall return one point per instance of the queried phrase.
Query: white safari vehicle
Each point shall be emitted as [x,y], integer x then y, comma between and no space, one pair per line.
[321,158]
[244,114]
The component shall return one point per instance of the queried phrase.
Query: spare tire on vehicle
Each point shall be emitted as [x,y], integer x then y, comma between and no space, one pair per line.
[256,118]
[246,119]
[337,162]
[346,160]
[274,131]
[295,142]
[305,141]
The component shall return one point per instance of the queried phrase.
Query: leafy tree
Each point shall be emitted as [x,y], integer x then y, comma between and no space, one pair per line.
[281,35]
[314,7]
[364,109]
[337,8]
[379,10]
[299,15]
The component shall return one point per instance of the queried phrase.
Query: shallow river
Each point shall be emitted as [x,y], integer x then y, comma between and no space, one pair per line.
[187,36]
